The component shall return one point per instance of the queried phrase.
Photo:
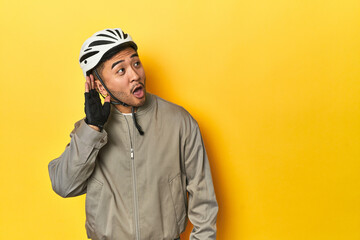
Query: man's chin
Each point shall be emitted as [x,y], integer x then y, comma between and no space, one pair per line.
[133,101]
[140,102]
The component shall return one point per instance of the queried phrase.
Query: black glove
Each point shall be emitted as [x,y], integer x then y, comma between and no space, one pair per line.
[96,114]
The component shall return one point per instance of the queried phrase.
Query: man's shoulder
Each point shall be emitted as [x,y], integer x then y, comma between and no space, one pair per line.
[170,107]
[173,110]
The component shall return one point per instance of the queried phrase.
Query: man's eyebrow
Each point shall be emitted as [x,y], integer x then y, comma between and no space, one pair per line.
[114,64]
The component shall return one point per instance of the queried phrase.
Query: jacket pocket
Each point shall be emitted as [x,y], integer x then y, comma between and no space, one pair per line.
[93,195]
[177,198]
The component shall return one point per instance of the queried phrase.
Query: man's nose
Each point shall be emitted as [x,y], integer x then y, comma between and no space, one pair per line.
[133,75]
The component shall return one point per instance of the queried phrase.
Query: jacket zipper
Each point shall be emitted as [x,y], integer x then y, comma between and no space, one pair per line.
[137,230]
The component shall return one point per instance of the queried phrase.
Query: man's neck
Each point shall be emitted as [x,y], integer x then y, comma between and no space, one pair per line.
[124,109]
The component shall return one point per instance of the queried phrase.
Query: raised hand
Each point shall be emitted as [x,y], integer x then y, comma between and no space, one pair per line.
[96,113]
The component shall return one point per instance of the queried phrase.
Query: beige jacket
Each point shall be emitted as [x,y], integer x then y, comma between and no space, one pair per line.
[140,187]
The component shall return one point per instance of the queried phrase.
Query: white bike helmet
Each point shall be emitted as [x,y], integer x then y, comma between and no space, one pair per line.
[98,44]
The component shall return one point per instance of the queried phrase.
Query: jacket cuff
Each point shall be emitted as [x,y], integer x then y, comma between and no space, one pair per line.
[90,136]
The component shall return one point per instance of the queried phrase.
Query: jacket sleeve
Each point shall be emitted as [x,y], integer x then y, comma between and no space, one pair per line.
[202,204]
[70,171]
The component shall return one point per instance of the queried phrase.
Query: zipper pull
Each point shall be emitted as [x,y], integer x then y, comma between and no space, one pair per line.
[132,153]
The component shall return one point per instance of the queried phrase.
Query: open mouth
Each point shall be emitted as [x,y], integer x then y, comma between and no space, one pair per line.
[138,91]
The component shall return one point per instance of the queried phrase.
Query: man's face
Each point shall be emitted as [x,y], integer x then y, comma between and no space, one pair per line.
[124,76]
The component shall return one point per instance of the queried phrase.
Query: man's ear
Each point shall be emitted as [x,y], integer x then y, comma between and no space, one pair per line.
[100,88]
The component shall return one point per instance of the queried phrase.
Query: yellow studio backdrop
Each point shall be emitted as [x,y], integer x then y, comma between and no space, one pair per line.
[274,86]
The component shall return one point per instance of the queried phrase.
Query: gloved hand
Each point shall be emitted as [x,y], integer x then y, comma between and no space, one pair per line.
[96,113]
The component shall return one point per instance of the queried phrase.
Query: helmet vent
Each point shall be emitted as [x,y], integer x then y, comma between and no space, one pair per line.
[87,49]
[110,31]
[87,55]
[100,42]
[104,35]
[117,31]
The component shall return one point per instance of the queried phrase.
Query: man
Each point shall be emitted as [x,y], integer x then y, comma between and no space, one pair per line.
[137,156]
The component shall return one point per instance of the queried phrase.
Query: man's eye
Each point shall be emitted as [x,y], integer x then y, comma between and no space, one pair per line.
[137,64]
[121,70]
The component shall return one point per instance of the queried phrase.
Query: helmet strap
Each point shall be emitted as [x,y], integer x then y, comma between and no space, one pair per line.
[102,82]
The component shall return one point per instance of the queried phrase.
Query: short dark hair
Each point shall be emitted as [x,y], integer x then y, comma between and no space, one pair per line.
[108,55]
